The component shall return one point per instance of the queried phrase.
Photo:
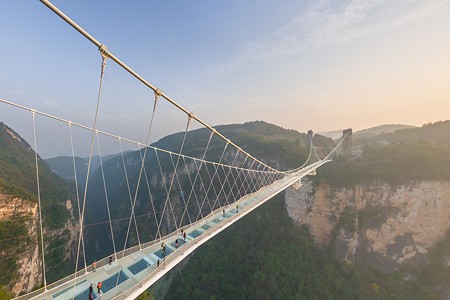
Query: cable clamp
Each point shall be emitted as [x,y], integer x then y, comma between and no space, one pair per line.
[158,92]
[104,51]
[105,54]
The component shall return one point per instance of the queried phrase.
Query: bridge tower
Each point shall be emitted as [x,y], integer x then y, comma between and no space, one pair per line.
[310,137]
[347,144]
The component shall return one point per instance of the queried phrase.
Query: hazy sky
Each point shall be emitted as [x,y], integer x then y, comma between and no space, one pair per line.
[320,65]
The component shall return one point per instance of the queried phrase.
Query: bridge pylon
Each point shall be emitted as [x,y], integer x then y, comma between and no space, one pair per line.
[347,144]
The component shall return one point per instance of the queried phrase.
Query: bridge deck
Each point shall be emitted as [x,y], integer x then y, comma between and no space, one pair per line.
[128,276]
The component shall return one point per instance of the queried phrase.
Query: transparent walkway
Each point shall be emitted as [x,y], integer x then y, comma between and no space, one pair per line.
[136,269]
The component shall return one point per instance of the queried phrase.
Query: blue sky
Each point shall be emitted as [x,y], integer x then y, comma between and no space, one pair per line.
[320,65]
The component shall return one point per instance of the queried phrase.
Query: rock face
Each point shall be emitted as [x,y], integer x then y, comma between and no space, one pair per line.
[29,261]
[28,258]
[378,224]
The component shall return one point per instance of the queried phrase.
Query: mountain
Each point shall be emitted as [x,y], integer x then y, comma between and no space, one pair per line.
[374,227]
[63,166]
[376,130]
[265,256]
[387,209]
[361,136]
[431,133]
[20,259]
[278,147]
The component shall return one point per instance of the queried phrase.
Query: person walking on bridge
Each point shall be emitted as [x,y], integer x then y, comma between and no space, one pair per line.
[99,286]
[163,249]
[94,266]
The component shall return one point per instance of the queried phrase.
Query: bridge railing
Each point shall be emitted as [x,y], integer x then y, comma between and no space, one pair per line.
[105,261]
[185,248]
[51,285]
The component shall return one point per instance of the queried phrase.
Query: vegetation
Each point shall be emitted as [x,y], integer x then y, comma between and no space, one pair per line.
[365,136]
[437,273]
[395,164]
[18,180]
[264,256]
[281,148]
[14,238]
[5,294]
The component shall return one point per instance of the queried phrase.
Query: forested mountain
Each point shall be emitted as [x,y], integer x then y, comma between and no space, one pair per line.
[63,166]
[409,154]
[364,135]
[281,148]
[265,256]
[19,216]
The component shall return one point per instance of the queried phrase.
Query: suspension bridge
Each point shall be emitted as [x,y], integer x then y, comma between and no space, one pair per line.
[197,195]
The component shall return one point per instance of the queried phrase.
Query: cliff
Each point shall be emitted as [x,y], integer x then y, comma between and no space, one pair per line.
[21,214]
[384,226]
[20,254]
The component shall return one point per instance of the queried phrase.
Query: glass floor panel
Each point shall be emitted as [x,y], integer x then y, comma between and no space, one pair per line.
[65,290]
[139,266]
[206,226]
[111,282]
[160,254]
[85,294]
[180,242]
[195,233]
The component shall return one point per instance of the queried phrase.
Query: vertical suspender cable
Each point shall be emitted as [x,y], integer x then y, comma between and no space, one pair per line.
[170,186]
[212,181]
[94,128]
[76,187]
[39,199]
[140,78]
[195,179]
[106,196]
[132,216]
[147,141]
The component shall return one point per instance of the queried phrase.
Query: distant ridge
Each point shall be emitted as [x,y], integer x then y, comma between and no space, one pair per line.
[368,132]
[387,128]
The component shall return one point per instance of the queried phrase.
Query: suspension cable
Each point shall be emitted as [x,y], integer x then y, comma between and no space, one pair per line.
[132,217]
[37,112]
[329,154]
[173,177]
[196,176]
[91,148]
[106,196]
[39,198]
[211,183]
[149,193]
[141,169]
[140,78]
[76,187]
